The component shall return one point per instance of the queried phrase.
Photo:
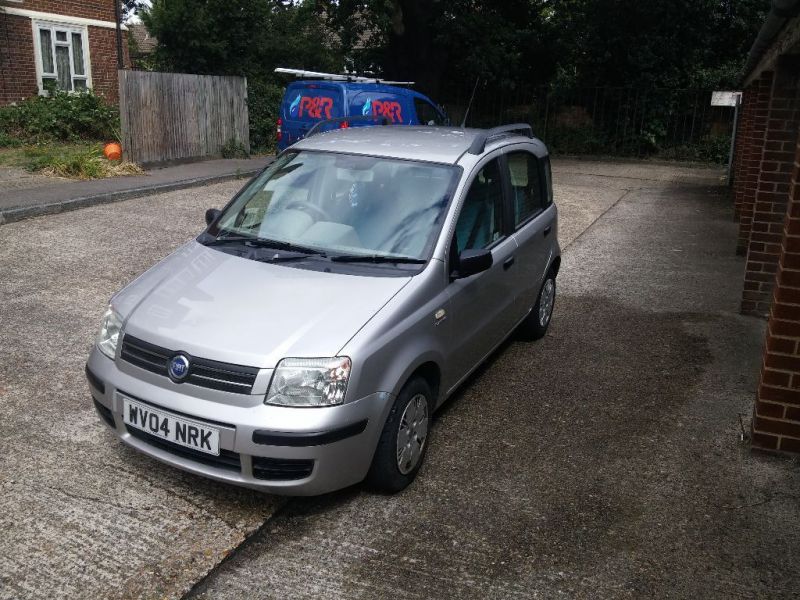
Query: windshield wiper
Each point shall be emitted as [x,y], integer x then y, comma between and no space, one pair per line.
[230,239]
[263,243]
[285,257]
[377,258]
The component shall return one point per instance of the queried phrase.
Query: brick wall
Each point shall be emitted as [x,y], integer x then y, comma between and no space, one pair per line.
[103,53]
[751,158]
[88,9]
[17,62]
[17,65]
[772,190]
[776,419]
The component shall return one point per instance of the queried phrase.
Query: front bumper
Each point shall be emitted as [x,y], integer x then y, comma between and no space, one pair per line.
[292,451]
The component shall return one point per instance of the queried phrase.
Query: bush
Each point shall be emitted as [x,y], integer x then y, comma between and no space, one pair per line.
[263,105]
[233,148]
[710,149]
[59,117]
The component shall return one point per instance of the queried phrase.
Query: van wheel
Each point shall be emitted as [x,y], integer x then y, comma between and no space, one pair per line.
[535,325]
[404,439]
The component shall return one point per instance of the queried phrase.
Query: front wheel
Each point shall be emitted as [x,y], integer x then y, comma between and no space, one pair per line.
[404,439]
[535,325]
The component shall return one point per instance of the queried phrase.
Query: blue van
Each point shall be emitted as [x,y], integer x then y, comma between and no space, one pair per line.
[306,103]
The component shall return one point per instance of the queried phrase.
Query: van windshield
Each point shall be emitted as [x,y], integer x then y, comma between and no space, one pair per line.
[344,204]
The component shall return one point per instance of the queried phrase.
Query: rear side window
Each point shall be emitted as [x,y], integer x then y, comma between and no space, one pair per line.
[426,113]
[548,181]
[480,223]
[526,186]
[308,104]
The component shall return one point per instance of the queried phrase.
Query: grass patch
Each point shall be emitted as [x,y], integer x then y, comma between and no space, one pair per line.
[76,161]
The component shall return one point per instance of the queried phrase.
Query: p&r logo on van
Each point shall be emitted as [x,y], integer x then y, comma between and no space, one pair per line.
[313,107]
[390,109]
[367,108]
[294,105]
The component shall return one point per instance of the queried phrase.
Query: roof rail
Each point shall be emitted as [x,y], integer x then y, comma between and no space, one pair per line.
[479,143]
[319,125]
[349,77]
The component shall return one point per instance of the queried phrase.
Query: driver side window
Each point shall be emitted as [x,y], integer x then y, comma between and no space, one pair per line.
[426,113]
[480,223]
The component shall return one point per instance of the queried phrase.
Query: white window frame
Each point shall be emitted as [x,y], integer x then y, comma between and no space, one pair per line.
[70,28]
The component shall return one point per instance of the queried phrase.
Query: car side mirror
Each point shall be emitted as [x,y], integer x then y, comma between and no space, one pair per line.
[472,262]
[212,214]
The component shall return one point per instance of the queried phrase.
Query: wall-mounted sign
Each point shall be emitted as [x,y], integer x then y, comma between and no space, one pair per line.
[725,98]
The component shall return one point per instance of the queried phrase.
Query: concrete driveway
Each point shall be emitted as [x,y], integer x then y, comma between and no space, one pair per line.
[603,461]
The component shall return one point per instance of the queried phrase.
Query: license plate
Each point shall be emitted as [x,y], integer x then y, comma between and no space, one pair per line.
[171,427]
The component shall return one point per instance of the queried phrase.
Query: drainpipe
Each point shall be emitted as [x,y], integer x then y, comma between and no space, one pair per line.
[120,62]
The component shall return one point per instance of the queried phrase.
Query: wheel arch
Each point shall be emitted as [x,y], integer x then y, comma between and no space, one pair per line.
[429,369]
[555,266]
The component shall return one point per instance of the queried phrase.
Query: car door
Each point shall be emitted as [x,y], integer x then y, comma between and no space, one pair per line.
[392,107]
[480,306]
[533,221]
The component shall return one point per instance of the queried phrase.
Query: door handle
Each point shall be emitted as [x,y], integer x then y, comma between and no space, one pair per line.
[508,262]
[547,230]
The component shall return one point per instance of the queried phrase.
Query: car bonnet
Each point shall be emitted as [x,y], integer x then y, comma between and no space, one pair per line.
[222,307]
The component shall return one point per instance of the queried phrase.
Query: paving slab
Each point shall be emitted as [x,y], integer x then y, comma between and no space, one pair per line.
[603,461]
[23,196]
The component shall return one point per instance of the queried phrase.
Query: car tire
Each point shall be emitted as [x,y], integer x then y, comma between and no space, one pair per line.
[407,426]
[535,325]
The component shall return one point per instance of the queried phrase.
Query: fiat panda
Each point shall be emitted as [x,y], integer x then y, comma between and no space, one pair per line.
[302,342]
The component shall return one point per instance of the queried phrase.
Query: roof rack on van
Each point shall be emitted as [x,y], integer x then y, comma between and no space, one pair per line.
[338,77]
[479,143]
[319,125]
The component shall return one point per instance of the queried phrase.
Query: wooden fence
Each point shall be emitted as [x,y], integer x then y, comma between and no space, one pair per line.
[173,117]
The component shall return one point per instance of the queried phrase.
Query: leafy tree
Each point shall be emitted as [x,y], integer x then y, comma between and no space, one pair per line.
[524,43]
[446,44]
[240,37]
[131,7]
[244,37]
[514,46]
[670,43]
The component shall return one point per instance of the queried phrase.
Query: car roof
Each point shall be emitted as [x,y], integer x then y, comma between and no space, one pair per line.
[432,144]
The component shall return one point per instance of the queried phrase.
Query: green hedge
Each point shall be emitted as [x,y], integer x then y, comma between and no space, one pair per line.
[263,106]
[58,117]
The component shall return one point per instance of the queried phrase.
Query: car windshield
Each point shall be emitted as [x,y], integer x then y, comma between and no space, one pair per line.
[344,205]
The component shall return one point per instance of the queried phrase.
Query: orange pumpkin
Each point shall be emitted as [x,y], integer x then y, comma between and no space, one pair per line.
[113,151]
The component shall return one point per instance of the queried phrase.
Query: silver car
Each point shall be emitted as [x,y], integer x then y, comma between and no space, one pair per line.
[301,343]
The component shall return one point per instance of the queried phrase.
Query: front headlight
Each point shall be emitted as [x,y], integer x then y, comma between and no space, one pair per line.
[309,381]
[109,333]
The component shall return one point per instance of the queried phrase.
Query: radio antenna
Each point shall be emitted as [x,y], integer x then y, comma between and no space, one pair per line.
[471,98]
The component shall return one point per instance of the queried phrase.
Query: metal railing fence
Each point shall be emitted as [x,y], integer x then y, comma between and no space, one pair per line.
[627,122]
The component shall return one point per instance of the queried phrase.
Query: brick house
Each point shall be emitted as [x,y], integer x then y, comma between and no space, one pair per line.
[70,44]
[766,169]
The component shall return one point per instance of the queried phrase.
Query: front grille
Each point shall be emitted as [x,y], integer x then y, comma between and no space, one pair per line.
[281,469]
[202,372]
[105,413]
[226,460]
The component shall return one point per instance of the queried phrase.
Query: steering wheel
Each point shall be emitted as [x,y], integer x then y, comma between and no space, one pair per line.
[314,211]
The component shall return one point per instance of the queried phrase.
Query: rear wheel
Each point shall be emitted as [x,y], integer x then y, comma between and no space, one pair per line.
[535,325]
[404,439]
